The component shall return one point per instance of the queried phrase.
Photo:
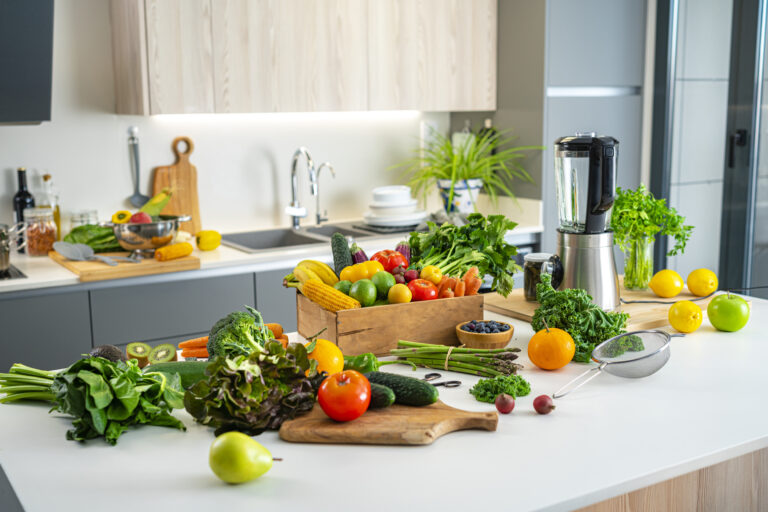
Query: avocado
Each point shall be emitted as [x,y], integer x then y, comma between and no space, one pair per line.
[109,352]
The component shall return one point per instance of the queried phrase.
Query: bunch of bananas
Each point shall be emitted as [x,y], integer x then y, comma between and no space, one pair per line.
[310,269]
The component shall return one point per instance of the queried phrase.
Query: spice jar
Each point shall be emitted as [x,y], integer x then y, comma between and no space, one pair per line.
[83,217]
[41,231]
[535,264]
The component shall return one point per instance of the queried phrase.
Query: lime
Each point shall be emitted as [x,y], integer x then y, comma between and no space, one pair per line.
[364,291]
[343,286]
[236,458]
[383,281]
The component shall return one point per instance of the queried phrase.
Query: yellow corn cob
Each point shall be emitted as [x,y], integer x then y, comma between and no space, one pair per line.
[303,274]
[327,296]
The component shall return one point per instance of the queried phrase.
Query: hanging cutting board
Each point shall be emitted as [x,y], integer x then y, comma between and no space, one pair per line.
[397,424]
[181,178]
[641,316]
[97,271]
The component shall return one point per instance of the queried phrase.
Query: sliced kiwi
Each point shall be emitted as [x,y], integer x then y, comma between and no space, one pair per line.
[163,353]
[140,352]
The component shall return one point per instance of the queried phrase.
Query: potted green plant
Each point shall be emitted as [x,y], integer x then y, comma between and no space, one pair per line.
[482,161]
[636,219]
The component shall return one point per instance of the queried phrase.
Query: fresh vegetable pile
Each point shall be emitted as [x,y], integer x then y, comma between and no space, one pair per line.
[486,390]
[238,334]
[573,311]
[475,361]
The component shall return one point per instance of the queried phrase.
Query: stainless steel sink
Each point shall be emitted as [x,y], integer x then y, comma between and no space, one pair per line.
[253,241]
[328,230]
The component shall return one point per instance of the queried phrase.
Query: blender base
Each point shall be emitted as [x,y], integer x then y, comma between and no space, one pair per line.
[588,264]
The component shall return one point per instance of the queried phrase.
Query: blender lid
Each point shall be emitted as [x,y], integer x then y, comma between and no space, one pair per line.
[582,141]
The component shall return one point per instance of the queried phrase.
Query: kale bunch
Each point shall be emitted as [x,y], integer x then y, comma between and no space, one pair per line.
[238,334]
[486,390]
[255,393]
[572,310]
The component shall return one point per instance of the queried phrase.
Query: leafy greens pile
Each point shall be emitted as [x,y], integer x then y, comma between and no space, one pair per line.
[106,398]
[238,334]
[98,238]
[573,311]
[486,390]
[478,243]
[255,393]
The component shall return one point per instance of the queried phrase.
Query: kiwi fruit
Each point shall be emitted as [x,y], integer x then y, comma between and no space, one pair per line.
[163,353]
[109,352]
[140,352]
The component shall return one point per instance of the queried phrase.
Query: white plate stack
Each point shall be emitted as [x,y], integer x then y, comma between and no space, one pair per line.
[393,206]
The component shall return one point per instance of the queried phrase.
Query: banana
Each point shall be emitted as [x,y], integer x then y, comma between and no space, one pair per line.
[323,271]
[303,274]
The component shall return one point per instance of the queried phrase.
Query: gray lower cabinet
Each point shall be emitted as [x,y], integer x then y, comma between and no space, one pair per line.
[44,331]
[166,311]
[276,304]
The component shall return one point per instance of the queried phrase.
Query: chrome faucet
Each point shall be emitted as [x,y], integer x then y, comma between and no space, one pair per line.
[324,216]
[295,210]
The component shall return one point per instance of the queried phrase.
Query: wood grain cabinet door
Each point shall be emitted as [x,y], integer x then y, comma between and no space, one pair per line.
[179,56]
[290,55]
[433,55]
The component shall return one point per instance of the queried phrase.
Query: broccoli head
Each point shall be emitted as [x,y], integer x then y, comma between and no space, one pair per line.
[238,333]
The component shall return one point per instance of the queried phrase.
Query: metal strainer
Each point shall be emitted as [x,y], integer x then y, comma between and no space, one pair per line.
[630,355]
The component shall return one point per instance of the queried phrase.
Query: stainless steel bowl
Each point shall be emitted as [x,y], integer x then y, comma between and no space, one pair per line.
[143,239]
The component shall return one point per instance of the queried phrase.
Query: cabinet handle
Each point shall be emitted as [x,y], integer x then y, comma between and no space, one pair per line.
[737,138]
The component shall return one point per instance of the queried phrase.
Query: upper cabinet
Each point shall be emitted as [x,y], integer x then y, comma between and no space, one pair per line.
[184,56]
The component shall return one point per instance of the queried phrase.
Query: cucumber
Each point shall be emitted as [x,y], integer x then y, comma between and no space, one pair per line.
[341,256]
[381,396]
[191,372]
[408,391]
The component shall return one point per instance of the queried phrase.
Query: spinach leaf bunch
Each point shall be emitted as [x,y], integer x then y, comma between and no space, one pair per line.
[573,311]
[98,238]
[637,215]
[479,243]
[106,398]
[486,390]
[255,393]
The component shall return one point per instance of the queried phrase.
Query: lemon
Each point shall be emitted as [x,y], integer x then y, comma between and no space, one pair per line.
[666,283]
[685,316]
[701,282]
[236,458]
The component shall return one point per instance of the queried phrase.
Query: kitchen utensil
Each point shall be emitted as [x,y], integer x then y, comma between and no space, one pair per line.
[88,271]
[631,355]
[181,178]
[385,209]
[430,377]
[75,252]
[407,219]
[534,264]
[484,340]
[585,177]
[396,424]
[9,237]
[137,199]
[143,239]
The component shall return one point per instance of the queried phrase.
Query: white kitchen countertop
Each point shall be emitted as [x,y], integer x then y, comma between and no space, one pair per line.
[42,272]
[610,437]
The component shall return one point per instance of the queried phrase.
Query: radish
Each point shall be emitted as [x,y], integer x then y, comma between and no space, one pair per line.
[543,404]
[505,403]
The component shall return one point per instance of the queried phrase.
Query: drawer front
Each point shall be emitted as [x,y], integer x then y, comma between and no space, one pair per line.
[276,303]
[169,310]
[46,332]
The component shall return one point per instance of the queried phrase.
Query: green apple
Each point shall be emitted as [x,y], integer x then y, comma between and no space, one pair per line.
[728,312]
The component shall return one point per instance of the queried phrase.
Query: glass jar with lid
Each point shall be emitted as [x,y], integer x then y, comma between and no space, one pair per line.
[41,231]
[83,217]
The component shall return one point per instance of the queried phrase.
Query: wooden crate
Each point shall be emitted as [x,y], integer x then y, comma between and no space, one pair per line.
[377,329]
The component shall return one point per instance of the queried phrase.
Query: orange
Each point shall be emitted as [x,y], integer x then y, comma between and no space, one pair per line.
[328,356]
[551,349]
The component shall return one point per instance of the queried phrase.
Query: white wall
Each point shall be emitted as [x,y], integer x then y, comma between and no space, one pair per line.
[243,161]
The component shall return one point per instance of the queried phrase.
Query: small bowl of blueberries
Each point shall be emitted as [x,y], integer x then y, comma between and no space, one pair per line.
[484,333]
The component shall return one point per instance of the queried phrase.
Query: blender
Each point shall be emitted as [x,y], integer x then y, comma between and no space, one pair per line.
[585,175]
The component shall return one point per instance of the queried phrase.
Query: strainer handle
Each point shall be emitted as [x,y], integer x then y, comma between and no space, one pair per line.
[560,393]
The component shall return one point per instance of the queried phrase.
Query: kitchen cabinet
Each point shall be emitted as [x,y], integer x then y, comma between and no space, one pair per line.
[46,331]
[275,303]
[183,56]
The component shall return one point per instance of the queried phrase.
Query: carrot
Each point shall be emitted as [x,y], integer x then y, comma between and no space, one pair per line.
[195,352]
[446,294]
[461,288]
[473,286]
[472,272]
[446,284]
[194,343]
[277,330]
[283,340]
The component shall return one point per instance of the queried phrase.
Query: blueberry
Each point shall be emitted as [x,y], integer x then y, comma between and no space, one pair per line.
[505,327]
[495,330]
[469,327]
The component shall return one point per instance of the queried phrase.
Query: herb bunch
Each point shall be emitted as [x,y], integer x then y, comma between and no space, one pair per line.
[486,390]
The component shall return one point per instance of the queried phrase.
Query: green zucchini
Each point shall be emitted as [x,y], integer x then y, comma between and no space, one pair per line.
[342,258]
[408,391]
[191,372]
[381,396]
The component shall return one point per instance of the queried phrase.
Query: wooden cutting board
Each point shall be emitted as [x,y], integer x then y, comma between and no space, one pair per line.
[641,316]
[98,271]
[181,178]
[397,424]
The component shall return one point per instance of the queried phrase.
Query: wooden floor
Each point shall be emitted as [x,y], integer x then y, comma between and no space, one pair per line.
[739,485]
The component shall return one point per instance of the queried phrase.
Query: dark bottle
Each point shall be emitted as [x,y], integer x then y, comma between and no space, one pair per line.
[22,200]
[489,131]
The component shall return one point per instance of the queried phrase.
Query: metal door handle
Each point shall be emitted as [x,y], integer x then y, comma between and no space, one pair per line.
[737,138]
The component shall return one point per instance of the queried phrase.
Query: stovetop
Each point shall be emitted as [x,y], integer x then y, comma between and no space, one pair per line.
[12,273]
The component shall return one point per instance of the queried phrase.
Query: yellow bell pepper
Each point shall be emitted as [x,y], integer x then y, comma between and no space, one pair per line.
[208,240]
[432,274]
[121,217]
[358,271]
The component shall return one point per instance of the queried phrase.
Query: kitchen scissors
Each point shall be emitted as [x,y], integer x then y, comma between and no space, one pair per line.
[447,383]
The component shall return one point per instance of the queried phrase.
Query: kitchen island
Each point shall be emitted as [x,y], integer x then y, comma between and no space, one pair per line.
[611,437]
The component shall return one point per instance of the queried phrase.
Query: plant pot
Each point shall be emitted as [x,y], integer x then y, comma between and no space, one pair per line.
[638,264]
[465,194]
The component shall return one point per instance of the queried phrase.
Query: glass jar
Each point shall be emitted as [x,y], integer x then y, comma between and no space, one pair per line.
[534,265]
[83,217]
[638,264]
[41,231]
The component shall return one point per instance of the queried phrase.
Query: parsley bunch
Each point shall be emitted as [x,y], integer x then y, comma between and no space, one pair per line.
[638,215]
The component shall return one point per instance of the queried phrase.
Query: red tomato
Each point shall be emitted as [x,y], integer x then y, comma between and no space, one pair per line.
[390,259]
[344,396]
[422,289]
